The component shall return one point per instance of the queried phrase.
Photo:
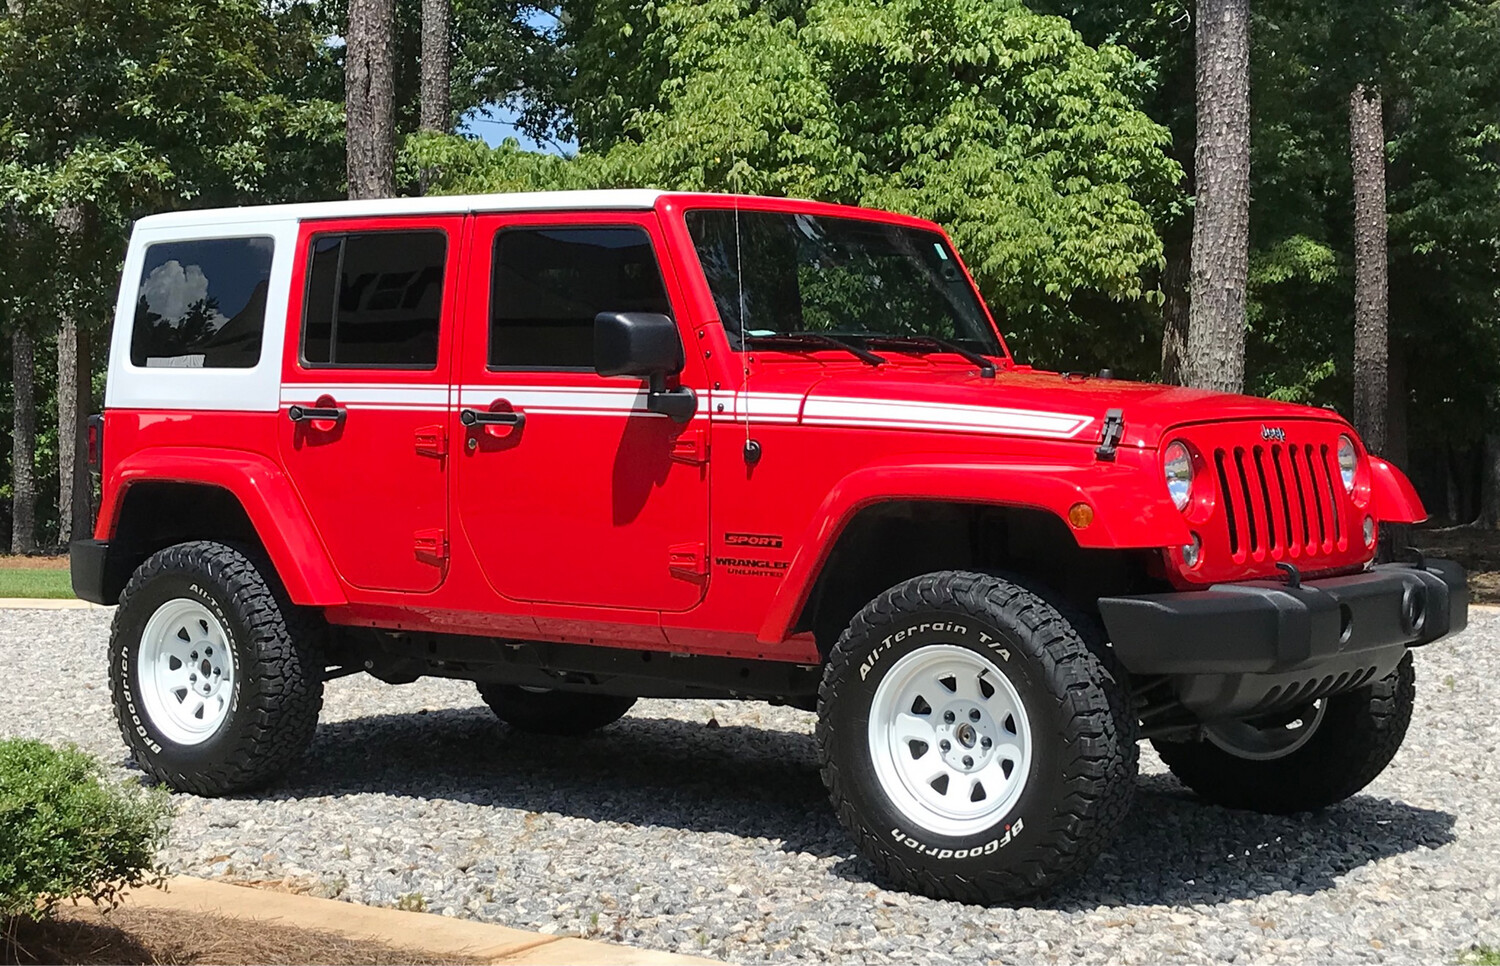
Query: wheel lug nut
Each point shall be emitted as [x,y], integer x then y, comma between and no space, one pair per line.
[985,742]
[945,744]
[208,651]
[192,677]
[948,716]
[195,655]
[968,761]
[974,715]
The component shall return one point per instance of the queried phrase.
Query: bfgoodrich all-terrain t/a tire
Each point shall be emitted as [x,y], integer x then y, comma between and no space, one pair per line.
[972,743]
[217,678]
[1352,738]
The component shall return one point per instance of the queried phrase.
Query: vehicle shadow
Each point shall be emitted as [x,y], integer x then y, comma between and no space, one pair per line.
[764,783]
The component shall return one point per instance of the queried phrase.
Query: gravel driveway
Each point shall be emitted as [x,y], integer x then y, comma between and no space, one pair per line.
[701,827]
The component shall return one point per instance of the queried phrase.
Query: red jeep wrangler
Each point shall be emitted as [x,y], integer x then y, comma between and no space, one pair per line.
[581,448]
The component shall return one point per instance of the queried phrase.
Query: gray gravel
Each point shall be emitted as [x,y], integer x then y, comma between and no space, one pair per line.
[701,827]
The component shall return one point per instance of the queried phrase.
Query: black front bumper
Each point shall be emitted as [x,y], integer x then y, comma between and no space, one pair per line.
[1243,648]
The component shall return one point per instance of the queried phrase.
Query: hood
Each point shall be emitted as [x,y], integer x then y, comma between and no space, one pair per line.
[1018,401]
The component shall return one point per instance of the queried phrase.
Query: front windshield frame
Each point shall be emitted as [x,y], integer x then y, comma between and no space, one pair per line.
[953,308]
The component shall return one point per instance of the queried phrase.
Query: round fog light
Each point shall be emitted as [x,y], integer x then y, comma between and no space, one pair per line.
[1192,552]
[1369,531]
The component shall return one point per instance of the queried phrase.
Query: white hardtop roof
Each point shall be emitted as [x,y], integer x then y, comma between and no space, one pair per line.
[628,199]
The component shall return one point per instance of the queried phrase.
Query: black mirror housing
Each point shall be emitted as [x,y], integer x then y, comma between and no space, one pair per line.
[642,344]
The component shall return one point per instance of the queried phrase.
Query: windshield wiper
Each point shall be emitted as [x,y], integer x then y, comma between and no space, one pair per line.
[815,338]
[986,367]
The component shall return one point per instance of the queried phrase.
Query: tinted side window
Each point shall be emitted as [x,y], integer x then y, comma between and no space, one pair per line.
[549,283]
[374,300]
[202,304]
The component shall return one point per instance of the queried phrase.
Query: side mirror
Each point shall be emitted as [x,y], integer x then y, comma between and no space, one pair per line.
[645,345]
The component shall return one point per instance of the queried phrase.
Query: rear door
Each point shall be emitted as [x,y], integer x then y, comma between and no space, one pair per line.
[582,496]
[364,395]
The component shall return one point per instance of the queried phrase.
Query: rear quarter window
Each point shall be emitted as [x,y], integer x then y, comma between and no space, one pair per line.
[202,304]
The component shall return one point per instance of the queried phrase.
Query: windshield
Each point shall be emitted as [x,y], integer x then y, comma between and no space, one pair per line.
[774,274]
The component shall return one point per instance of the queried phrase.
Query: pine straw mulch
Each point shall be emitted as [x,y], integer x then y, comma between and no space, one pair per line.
[85,936]
[1478,550]
[37,562]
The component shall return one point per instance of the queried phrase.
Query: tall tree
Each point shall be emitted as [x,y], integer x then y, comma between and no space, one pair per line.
[23,441]
[369,98]
[1371,286]
[1215,350]
[437,62]
[74,369]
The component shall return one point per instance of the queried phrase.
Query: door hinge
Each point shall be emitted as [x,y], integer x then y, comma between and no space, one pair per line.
[688,559]
[691,446]
[432,441]
[431,545]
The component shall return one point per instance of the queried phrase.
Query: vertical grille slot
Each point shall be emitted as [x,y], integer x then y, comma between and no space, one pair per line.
[1229,511]
[1258,456]
[1286,503]
[1239,465]
[1302,514]
[1333,496]
[1317,493]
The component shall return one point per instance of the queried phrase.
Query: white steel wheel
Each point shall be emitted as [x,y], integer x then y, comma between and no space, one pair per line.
[950,740]
[185,667]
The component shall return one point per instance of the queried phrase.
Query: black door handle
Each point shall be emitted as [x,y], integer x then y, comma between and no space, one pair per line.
[476,417]
[299,414]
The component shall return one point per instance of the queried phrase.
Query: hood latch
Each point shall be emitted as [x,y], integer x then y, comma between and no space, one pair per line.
[1110,435]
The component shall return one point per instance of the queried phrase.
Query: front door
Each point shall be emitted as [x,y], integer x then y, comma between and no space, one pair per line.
[364,396]
[569,491]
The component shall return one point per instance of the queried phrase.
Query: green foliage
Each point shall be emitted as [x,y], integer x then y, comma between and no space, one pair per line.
[1477,955]
[67,833]
[998,123]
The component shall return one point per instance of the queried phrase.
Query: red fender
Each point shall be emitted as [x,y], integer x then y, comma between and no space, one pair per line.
[263,490]
[1123,516]
[1392,497]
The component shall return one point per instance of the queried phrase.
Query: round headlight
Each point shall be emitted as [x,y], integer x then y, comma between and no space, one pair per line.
[1177,465]
[1348,461]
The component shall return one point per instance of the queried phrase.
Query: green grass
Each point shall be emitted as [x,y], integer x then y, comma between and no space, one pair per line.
[35,583]
[1480,956]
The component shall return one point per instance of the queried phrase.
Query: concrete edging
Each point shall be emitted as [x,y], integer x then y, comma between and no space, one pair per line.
[47,603]
[441,937]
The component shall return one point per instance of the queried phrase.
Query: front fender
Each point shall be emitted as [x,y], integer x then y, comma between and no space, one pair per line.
[263,491]
[1392,497]
[1128,512]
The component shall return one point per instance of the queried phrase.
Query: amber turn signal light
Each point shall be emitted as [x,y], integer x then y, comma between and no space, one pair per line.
[1080,515]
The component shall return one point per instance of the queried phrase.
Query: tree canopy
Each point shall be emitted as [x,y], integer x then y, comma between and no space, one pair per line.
[1001,124]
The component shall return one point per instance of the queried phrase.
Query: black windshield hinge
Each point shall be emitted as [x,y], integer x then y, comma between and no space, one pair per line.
[1110,436]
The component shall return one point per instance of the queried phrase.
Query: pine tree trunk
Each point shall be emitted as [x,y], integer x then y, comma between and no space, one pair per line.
[436,66]
[1489,497]
[23,444]
[1371,288]
[73,401]
[369,98]
[1215,357]
[1176,311]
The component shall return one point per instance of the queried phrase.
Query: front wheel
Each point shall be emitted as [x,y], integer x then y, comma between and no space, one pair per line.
[972,743]
[1303,760]
[217,679]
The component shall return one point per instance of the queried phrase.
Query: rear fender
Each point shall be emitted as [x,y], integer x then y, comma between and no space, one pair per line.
[263,491]
[1126,516]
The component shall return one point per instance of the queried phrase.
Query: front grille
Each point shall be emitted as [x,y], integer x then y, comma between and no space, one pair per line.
[1280,500]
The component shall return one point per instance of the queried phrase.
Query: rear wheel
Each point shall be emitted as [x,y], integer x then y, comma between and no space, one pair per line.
[217,679]
[973,744]
[1298,761]
[547,712]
